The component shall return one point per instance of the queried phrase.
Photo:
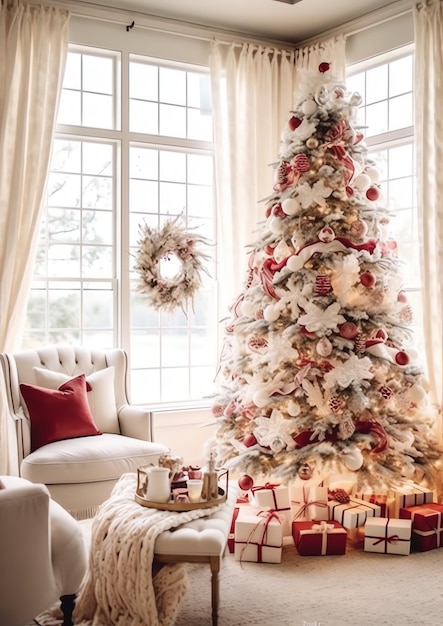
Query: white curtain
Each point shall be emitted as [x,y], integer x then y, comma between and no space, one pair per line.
[428,24]
[33,47]
[253,92]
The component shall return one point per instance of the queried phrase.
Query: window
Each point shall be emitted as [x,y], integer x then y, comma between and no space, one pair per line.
[133,146]
[387,115]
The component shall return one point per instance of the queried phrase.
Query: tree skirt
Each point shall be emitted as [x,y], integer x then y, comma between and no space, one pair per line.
[122,586]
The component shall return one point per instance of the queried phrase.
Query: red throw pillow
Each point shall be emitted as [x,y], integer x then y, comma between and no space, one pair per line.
[58,414]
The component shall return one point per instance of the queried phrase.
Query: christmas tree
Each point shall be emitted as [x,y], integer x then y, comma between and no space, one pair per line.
[318,373]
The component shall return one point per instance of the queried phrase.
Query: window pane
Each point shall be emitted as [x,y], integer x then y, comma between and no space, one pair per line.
[143,81]
[377,84]
[400,112]
[97,110]
[173,166]
[97,308]
[172,86]
[98,74]
[172,121]
[377,118]
[97,227]
[400,76]
[143,117]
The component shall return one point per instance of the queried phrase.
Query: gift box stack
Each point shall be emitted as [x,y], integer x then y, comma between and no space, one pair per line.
[415,504]
[320,520]
[260,525]
[314,533]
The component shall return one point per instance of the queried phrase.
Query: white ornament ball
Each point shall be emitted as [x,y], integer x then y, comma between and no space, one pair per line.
[293,409]
[293,263]
[352,459]
[417,395]
[373,174]
[276,225]
[362,182]
[324,347]
[291,206]
[271,313]
[309,107]
[260,398]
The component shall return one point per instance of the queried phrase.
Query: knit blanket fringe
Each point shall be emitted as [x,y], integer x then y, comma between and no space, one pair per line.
[123,586]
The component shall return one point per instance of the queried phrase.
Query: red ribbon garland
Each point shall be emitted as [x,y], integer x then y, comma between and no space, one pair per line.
[366,427]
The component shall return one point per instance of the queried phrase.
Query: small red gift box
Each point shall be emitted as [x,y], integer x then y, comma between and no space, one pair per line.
[427,529]
[319,538]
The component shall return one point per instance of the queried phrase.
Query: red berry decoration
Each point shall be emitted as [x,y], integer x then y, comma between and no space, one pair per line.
[294,122]
[372,194]
[386,392]
[249,440]
[324,67]
[368,279]
[401,358]
[348,330]
[339,495]
[245,482]
[349,191]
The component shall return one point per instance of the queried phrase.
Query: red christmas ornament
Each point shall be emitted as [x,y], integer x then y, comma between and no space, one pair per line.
[373,194]
[294,122]
[245,482]
[368,279]
[402,297]
[322,285]
[401,358]
[278,211]
[386,392]
[348,330]
[301,163]
[324,67]
[336,404]
[349,191]
[249,440]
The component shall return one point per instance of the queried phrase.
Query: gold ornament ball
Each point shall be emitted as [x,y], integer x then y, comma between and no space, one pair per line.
[311,143]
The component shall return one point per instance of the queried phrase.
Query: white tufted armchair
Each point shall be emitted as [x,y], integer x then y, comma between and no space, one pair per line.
[79,472]
[43,553]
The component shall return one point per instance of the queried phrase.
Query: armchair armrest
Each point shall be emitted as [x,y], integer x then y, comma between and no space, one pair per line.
[135,421]
[25,564]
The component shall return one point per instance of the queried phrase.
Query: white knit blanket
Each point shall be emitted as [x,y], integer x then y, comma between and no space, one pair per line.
[121,588]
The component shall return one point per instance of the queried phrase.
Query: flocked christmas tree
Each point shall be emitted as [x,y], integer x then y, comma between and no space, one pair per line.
[318,373]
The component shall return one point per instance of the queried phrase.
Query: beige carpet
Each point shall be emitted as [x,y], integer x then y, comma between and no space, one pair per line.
[356,589]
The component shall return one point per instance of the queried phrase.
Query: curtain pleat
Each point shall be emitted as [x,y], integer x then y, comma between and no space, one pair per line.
[428,25]
[253,92]
[33,48]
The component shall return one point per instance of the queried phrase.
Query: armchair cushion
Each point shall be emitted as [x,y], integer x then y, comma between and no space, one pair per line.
[100,394]
[59,414]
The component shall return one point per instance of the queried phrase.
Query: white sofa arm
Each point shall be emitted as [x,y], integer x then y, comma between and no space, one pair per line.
[135,421]
[25,564]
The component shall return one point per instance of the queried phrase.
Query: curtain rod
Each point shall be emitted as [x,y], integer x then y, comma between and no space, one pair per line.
[220,36]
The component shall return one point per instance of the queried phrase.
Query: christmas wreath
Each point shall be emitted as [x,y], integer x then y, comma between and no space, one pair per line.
[156,245]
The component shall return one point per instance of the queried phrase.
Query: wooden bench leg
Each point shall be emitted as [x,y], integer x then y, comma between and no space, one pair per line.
[215,568]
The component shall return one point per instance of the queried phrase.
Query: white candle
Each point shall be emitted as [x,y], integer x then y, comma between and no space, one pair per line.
[195,489]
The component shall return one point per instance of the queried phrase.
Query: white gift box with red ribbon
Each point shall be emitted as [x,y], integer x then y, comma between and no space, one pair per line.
[258,538]
[274,497]
[389,536]
[309,503]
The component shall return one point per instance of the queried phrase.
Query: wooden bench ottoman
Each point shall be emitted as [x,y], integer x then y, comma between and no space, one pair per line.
[201,541]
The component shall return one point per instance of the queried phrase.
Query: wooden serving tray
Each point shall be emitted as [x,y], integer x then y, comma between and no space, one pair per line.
[186,506]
